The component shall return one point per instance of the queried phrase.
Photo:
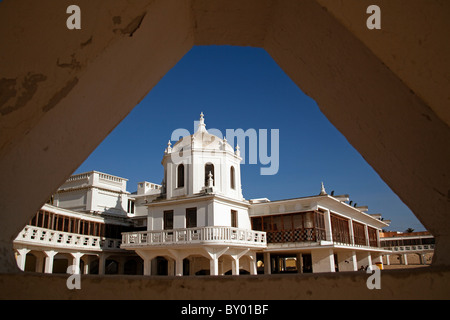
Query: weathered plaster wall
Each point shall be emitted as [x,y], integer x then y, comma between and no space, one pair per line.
[425,283]
[107,68]
[397,133]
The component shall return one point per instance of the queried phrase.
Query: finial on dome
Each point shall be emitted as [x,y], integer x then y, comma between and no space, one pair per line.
[201,125]
[224,143]
[210,180]
[237,152]
[322,191]
[169,148]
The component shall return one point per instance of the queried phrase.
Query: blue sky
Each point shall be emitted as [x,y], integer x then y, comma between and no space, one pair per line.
[243,87]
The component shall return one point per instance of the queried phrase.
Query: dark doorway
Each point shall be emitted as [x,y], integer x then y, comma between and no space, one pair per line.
[307,263]
[162,266]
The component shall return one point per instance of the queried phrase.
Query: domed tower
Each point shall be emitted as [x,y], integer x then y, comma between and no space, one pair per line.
[202,163]
[201,212]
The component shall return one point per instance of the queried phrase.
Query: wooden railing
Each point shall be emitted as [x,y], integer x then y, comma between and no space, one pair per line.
[199,235]
[296,235]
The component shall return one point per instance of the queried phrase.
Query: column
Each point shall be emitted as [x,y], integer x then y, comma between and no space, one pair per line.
[422,258]
[170,266]
[352,235]
[101,263]
[214,266]
[76,262]
[49,261]
[179,267]
[21,258]
[147,257]
[191,266]
[388,261]
[235,267]
[236,255]
[147,267]
[121,267]
[87,264]
[267,263]
[299,262]
[405,259]
[253,268]
[170,182]
[214,255]
[178,256]
[329,232]
[221,271]
[366,234]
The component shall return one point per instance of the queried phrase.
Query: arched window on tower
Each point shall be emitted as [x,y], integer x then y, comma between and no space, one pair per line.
[180,176]
[209,167]
[232,178]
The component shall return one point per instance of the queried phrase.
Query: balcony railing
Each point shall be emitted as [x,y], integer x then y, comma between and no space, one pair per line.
[47,237]
[415,248]
[309,236]
[199,235]
[296,235]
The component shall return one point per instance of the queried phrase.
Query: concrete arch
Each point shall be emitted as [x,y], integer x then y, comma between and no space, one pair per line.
[395,115]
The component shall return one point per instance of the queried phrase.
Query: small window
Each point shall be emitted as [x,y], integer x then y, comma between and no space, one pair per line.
[191,218]
[180,176]
[130,208]
[168,220]
[234,221]
[232,178]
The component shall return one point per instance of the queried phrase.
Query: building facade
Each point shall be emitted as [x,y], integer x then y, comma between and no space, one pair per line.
[80,226]
[408,247]
[196,222]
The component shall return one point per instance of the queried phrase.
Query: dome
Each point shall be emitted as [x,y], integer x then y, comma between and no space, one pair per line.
[202,163]
[201,139]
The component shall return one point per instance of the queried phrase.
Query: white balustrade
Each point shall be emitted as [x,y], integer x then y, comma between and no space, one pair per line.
[215,234]
[415,248]
[48,237]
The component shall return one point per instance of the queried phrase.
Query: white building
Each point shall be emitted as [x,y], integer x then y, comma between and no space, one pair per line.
[81,225]
[197,222]
[408,247]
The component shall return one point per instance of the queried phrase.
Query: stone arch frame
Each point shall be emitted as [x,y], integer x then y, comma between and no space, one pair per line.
[49,110]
